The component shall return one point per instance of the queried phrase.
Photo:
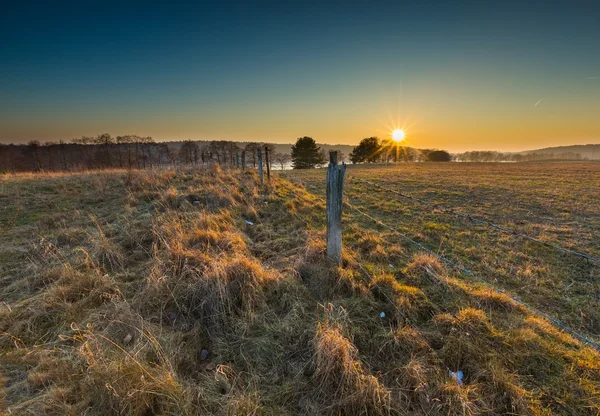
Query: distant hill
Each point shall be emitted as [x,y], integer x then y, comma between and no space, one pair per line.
[590,151]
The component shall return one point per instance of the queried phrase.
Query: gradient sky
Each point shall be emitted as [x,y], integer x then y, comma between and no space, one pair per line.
[456,76]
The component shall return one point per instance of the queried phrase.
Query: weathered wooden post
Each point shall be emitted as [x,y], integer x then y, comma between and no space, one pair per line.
[267,161]
[237,160]
[260,165]
[243,160]
[335,190]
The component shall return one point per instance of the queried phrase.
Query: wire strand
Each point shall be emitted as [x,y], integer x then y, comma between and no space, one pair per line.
[452,264]
[481,221]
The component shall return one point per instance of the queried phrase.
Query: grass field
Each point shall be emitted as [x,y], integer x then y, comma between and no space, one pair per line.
[554,202]
[198,292]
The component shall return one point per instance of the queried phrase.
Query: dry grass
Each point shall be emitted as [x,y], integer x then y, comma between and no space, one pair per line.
[341,384]
[147,292]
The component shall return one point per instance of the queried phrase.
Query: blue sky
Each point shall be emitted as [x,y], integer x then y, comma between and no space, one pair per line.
[463,75]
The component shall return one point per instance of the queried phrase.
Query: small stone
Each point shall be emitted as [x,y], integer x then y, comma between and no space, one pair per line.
[303,402]
[382,315]
[211,366]
[204,354]
[172,316]
[127,339]
[196,202]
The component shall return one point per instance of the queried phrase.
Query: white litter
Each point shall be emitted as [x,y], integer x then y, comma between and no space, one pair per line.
[391,265]
[249,222]
[382,315]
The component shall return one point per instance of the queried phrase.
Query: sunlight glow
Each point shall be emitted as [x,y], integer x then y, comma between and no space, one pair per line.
[398,135]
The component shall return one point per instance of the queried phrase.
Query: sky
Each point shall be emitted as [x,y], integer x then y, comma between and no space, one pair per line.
[507,76]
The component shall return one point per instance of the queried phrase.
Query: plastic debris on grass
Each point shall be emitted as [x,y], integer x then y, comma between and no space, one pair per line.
[457,375]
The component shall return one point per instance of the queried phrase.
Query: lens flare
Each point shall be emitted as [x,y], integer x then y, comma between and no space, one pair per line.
[398,135]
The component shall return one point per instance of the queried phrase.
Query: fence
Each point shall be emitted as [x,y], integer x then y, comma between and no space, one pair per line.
[334,203]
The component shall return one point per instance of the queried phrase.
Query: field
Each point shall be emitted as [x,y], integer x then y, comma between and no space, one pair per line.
[554,202]
[199,292]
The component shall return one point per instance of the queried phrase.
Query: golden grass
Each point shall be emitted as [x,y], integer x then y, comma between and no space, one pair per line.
[146,292]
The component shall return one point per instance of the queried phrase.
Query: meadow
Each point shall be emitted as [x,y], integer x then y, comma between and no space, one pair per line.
[198,291]
[554,202]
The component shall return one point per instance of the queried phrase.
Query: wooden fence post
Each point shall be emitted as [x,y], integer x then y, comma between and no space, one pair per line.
[243,160]
[267,161]
[335,190]
[237,160]
[260,165]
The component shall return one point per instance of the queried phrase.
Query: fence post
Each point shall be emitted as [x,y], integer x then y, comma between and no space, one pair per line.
[335,189]
[260,165]
[237,160]
[243,160]
[267,161]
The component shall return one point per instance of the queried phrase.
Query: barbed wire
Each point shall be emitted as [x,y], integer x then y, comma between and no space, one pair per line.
[481,221]
[439,360]
[467,272]
[434,353]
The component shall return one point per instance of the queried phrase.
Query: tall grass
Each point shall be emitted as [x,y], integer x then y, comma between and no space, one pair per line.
[154,295]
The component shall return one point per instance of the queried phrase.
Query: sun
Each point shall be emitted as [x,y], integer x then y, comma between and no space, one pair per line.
[398,135]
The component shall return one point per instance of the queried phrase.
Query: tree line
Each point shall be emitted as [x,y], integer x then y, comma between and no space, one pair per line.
[492,156]
[138,152]
[374,150]
[128,152]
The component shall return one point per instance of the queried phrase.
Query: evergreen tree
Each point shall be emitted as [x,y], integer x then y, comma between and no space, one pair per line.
[306,154]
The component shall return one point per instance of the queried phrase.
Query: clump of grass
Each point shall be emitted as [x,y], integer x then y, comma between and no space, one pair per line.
[84,290]
[323,278]
[371,246]
[124,383]
[425,265]
[342,386]
[403,300]
[105,251]
[231,288]
[247,403]
[206,239]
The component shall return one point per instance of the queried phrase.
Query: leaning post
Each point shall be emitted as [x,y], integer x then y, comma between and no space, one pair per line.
[267,162]
[243,160]
[260,165]
[335,189]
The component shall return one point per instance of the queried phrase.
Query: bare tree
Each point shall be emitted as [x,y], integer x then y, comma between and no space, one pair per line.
[188,153]
[251,149]
[282,159]
[34,148]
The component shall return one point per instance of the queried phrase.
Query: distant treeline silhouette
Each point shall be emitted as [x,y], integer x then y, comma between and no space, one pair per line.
[491,156]
[374,150]
[137,152]
[130,152]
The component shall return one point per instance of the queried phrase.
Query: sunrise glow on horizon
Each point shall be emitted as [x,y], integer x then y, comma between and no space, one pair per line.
[502,77]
